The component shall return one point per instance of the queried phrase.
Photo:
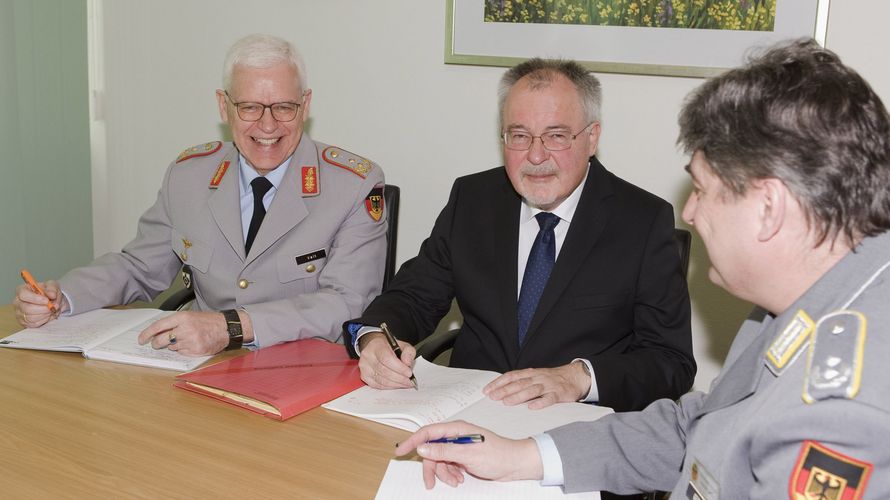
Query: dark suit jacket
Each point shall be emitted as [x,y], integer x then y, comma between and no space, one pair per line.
[617,295]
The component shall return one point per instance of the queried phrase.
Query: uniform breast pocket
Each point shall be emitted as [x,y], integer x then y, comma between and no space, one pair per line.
[301,266]
[601,300]
[193,253]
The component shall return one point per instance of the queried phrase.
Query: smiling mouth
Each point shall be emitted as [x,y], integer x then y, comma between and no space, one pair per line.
[265,142]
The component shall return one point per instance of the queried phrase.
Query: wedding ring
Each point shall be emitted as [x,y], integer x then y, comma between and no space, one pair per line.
[171,338]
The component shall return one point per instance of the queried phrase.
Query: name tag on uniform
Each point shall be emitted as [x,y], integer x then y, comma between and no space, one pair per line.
[702,485]
[309,257]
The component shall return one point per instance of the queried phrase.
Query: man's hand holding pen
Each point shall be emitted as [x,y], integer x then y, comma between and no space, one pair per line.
[380,367]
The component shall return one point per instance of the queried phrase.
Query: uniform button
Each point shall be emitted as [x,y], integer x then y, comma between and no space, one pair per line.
[183,256]
[242,284]
[310,268]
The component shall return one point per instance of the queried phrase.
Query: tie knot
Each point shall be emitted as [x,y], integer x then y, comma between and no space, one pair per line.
[260,186]
[547,221]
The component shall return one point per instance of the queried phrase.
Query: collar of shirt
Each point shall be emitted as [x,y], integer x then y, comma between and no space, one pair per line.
[246,174]
[528,227]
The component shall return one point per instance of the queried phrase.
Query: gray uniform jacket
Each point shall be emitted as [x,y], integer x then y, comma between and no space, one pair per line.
[317,259]
[801,408]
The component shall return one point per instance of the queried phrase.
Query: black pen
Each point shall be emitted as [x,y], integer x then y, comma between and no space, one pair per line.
[396,349]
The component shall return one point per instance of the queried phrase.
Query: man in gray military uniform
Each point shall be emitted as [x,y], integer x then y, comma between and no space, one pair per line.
[281,237]
[790,170]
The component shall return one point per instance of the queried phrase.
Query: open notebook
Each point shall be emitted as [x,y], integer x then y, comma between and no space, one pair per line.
[106,334]
[456,394]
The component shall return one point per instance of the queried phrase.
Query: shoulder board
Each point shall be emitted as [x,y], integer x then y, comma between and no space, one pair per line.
[199,150]
[834,367]
[346,160]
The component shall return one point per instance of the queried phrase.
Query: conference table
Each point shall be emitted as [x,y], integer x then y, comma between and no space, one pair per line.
[77,428]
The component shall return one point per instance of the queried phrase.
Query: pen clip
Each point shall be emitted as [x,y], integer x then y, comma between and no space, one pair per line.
[389,336]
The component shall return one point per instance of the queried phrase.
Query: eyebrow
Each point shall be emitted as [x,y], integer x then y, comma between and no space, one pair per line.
[546,129]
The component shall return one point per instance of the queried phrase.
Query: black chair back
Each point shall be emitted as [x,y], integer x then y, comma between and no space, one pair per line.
[391,195]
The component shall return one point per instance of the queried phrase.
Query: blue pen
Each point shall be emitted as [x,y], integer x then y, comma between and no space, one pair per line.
[467,439]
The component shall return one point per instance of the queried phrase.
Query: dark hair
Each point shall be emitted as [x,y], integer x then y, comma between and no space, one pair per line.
[797,114]
[541,72]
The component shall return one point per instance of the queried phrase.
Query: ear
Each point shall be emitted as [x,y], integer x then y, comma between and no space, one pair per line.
[773,197]
[593,139]
[223,108]
[307,98]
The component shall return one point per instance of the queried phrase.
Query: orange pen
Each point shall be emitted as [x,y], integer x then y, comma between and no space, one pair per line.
[34,286]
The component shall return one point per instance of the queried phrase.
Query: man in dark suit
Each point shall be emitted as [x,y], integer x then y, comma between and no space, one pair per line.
[567,277]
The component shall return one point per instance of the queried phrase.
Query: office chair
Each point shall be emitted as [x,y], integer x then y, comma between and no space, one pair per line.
[391,197]
[438,344]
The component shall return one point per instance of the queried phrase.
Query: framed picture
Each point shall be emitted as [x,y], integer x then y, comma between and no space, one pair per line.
[656,37]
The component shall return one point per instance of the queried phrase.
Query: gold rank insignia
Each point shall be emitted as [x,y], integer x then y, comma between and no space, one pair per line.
[823,473]
[220,173]
[346,160]
[200,150]
[374,202]
[788,344]
[309,180]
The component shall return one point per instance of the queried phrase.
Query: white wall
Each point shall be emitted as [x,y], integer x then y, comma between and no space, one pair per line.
[380,89]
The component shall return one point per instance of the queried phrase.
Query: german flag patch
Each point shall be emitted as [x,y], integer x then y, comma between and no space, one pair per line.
[374,202]
[821,472]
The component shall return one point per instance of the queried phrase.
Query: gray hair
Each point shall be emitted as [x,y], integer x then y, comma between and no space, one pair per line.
[541,73]
[797,114]
[263,51]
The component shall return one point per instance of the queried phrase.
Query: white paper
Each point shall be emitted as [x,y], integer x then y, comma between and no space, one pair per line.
[104,334]
[441,393]
[79,332]
[520,422]
[125,348]
[456,394]
[404,480]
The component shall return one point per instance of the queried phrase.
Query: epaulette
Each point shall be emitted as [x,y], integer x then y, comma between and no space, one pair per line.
[834,365]
[199,150]
[346,160]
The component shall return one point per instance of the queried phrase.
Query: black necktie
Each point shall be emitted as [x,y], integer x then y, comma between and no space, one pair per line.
[537,271]
[260,187]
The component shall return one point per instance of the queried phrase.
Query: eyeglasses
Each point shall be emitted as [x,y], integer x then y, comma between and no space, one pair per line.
[555,140]
[253,111]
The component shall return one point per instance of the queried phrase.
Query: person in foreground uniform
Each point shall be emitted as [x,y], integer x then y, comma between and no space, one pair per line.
[281,237]
[568,278]
[790,170]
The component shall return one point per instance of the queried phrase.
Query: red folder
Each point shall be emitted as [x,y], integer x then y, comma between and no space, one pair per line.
[279,381]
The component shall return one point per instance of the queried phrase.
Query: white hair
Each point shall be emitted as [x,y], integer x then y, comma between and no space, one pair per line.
[263,51]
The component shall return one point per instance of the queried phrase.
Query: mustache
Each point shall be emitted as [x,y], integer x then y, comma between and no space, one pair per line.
[542,169]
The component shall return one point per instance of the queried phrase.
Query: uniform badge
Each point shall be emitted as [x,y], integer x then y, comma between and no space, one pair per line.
[187,277]
[309,180]
[374,203]
[834,367]
[702,485]
[200,150]
[218,176]
[787,345]
[346,160]
[822,473]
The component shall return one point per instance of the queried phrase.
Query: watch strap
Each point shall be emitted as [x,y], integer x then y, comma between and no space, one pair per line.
[233,325]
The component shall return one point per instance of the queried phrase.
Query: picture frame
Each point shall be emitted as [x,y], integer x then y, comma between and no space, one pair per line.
[621,49]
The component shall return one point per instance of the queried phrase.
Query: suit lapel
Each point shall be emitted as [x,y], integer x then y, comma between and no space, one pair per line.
[506,237]
[225,205]
[587,224]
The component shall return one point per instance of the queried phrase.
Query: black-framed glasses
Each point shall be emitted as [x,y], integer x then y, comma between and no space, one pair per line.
[554,140]
[253,111]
